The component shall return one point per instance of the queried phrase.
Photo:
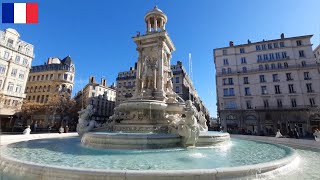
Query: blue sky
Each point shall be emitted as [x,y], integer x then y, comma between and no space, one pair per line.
[97,33]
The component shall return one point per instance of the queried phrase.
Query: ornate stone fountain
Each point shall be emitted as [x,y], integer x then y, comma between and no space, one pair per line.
[155,117]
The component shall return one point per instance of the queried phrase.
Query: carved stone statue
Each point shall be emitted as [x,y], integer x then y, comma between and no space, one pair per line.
[188,127]
[84,122]
[148,76]
[202,122]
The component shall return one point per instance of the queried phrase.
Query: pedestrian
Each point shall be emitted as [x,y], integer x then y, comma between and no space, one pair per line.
[296,133]
[316,135]
[279,135]
[66,129]
[35,126]
[27,130]
[61,130]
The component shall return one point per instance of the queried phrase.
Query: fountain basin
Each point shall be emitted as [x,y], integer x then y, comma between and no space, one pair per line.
[210,138]
[130,140]
[65,159]
[142,105]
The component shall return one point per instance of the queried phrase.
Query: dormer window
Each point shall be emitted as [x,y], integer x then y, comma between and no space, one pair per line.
[10,43]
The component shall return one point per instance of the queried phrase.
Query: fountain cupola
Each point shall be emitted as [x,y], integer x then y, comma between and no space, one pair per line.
[155,20]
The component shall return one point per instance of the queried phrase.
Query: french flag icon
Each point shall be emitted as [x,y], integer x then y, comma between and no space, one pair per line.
[20,13]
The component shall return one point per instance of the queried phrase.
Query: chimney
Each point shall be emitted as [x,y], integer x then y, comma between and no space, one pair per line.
[249,42]
[231,43]
[179,63]
[92,80]
[103,82]
[131,68]
[135,66]
[282,35]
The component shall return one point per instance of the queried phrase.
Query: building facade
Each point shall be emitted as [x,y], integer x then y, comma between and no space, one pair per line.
[15,62]
[100,96]
[182,85]
[268,85]
[47,80]
[316,53]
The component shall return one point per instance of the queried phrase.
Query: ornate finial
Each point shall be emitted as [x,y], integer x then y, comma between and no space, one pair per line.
[155,7]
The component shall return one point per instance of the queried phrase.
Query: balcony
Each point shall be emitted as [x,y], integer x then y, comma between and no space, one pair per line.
[307,78]
[273,60]
[310,91]
[281,107]
[228,95]
[295,66]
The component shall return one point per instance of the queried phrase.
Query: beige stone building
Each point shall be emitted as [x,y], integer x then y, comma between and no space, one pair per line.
[44,81]
[100,96]
[317,53]
[15,62]
[268,85]
[182,85]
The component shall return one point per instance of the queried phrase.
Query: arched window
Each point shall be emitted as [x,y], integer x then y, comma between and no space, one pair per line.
[44,88]
[48,90]
[35,89]
[231,117]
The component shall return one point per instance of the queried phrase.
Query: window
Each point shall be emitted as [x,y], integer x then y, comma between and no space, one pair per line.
[279,102]
[289,78]
[265,57]
[21,74]
[244,69]
[275,45]
[65,76]
[273,66]
[231,91]
[281,44]
[92,94]
[10,42]
[18,88]
[306,76]
[0,84]
[14,72]
[309,88]
[264,90]
[242,50]
[275,77]
[299,43]
[284,55]
[291,89]
[278,55]
[10,86]
[225,92]
[248,104]
[51,76]
[25,62]
[42,77]
[47,77]
[177,89]
[312,102]
[2,69]
[285,64]
[264,47]
[266,103]
[259,57]
[247,91]
[260,67]
[303,63]
[271,56]
[258,47]
[177,79]
[243,60]
[293,103]
[262,79]
[224,81]
[230,81]
[38,78]
[229,70]
[266,66]
[225,62]
[301,53]
[269,46]
[245,80]
[277,89]
[223,71]
[6,55]
[224,52]
[17,60]
[231,105]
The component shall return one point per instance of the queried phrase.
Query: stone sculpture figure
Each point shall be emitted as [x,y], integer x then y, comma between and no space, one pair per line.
[188,127]
[148,78]
[84,122]
[202,122]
